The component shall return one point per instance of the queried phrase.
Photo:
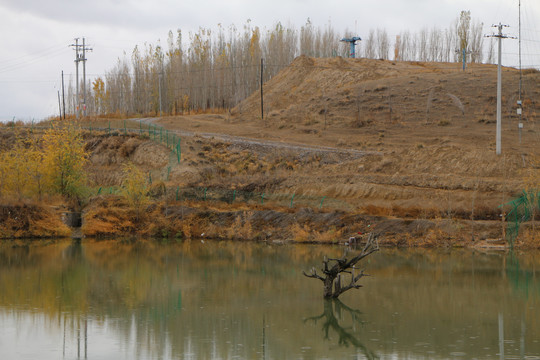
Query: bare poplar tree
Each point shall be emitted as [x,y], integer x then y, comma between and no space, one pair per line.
[435,45]
[476,42]
[406,50]
[221,69]
[449,45]
[307,40]
[328,45]
[491,51]
[423,43]
[397,48]
[329,42]
[463,33]
[383,44]
[369,45]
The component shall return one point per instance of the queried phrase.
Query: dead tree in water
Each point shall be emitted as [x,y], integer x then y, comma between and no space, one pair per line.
[333,281]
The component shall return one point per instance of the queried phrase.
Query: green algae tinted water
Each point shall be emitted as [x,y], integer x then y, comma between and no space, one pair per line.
[224,300]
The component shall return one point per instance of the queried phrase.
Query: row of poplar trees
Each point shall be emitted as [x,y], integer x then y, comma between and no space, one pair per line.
[218,69]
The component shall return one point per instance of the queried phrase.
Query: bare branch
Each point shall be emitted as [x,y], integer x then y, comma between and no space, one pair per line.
[313,274]
[333,282]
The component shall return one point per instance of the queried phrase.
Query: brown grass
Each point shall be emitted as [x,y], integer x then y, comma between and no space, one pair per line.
[241,228]
[108,216]
[422,170]
[529,239]
[301,233]
[26,219]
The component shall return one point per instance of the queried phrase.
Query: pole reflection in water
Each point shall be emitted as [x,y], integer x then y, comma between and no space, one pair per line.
[143,300]
[501,337]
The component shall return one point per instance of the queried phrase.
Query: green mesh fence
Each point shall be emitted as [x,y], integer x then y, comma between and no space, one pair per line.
[523,209]
[173,142]
[155,133]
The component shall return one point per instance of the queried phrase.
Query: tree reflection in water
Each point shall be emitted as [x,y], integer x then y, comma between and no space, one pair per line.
[333,310]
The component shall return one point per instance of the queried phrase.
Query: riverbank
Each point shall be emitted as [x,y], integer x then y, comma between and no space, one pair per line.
[27,219]
[233,189]
[110,216]
[394,152]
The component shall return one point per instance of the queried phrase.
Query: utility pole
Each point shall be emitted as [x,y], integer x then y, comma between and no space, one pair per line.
[76,45]
[59,107]
[160,75]
[262,93]
[63,96]
[78,58]
[84,75]
[500,36]
[520,102]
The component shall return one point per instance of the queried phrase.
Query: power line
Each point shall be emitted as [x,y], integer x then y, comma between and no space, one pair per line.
[12,65]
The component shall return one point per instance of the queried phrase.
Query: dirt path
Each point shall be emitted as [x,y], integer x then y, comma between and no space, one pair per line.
[261,146]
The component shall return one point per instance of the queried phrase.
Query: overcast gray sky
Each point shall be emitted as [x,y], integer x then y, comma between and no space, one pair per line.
[36,34]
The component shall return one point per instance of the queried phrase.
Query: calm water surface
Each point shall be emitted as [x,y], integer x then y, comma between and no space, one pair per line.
[224,300]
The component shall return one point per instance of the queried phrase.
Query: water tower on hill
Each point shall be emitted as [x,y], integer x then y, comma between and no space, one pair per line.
[352,42]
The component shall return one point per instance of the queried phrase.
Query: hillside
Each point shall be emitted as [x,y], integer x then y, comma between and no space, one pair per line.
[428,130]
[353,93]
[407,147]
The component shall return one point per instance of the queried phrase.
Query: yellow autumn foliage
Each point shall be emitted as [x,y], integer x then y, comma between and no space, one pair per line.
[54,164]
[135,187]
[65,158]
[21,170]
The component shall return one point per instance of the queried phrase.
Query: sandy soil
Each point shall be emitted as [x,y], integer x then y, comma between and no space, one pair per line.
[408,135]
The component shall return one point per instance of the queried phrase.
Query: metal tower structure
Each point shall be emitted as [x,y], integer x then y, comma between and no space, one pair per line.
[352,42]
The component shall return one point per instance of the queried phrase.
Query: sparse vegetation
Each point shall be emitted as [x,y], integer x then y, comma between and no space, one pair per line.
[135,187]
[52,164]
[425,185]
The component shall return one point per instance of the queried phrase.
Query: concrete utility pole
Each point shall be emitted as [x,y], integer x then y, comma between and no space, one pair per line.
[520,102]
[76,45]
[84,48]
[78,58]
[500,36]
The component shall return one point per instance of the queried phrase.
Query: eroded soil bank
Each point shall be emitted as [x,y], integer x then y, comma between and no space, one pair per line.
[404,208]
[110,217]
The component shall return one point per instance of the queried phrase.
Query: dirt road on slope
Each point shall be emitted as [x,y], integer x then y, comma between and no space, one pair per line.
[257,145]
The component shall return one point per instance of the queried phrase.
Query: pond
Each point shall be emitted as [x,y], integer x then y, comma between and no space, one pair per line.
[231,300]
